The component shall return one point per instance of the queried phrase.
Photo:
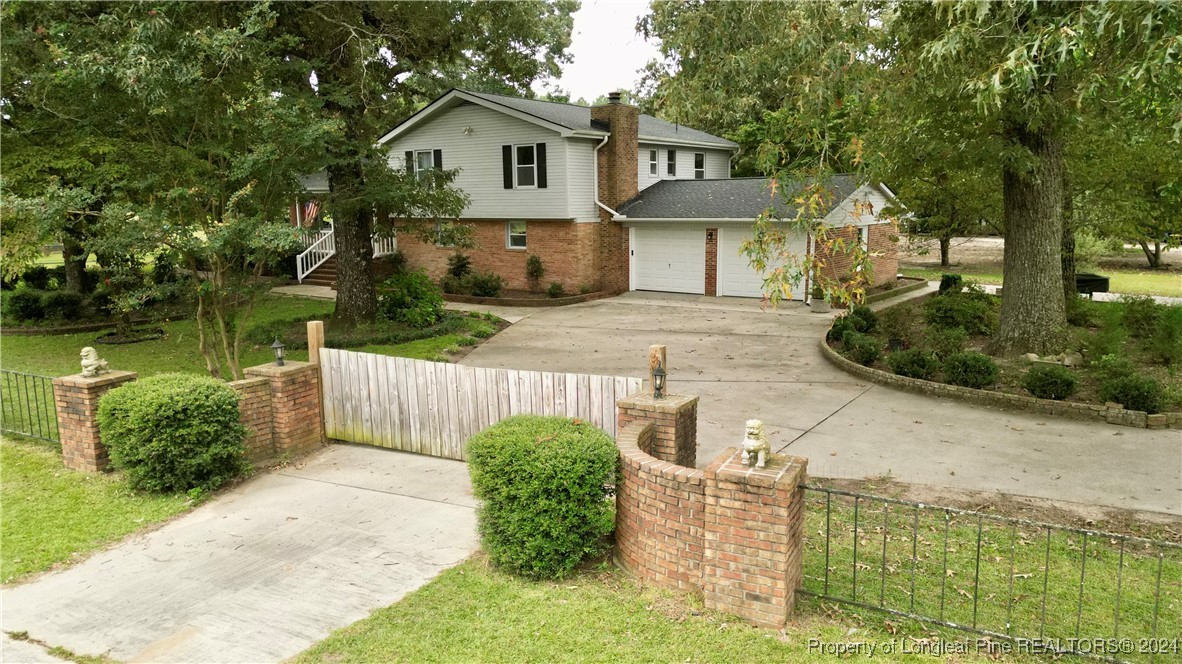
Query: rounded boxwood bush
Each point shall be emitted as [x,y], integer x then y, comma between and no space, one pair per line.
[864,319]
[24,304]
[974,311]
[543,482]
[1134,392]
[1050,381]
[913,363]
[970,369]
[861,348]
[840,326]
[62,305]
[174,432]
[410,298]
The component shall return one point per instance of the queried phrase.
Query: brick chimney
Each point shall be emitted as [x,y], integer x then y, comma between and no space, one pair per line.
[618,158]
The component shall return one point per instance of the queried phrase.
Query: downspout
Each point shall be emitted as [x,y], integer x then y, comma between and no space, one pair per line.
[597,201]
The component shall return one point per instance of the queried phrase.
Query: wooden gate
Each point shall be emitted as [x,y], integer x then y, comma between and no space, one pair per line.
[435,407]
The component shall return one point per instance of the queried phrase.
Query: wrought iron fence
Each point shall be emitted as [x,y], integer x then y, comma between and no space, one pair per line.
[27,406]
[1039,588]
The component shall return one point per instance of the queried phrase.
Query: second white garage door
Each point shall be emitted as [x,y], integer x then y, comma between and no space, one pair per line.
[671,260]
[736,277]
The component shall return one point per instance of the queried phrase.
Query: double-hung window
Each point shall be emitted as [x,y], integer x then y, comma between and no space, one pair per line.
[653,166]
[699,165]
[671,166]
[525,168]
[515,235]
[419,162]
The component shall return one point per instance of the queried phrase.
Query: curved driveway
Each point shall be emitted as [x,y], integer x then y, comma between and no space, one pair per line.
[745,363]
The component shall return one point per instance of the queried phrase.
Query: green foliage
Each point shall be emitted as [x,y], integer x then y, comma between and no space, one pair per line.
[1090,248]
[970,369]
[543,482]
[1082,312]
[411,298]
[864,319]
[1111,367]
[897,324]
[840,326]
[1050,381]
[951,283]
[459,265]
[63,305]
[861,348]
[37,277]
[946,341]
[24,304]
[1165,344]
[1109,339]
[556,289]
[174,432]
[451,285]
[1140,314]
[913,363]
[1134,392]
[534,269]
[483,284]
[975,312]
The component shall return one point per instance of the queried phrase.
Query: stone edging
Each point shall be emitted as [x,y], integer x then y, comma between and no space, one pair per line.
[1080,411]
[895,292]
[526,301]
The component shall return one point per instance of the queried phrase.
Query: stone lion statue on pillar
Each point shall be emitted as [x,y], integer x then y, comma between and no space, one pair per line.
[756,446]
[92,364]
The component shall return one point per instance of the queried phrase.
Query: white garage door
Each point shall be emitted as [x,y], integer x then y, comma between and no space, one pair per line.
[736,277]
[671,260]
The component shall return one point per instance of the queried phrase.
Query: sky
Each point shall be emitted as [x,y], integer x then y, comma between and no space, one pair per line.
[608,53]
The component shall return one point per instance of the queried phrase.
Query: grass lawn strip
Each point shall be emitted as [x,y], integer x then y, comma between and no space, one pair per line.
[53,515]
[1131,282]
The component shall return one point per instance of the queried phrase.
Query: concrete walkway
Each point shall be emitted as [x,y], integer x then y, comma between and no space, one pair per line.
[744,363]
[262,573]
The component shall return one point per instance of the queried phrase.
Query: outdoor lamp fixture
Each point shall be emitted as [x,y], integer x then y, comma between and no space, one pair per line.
[659,381]
[278,347]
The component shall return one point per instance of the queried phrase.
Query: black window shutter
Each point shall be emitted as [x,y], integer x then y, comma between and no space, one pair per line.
[540,151]
[437,157]
[507,163]
[410,162]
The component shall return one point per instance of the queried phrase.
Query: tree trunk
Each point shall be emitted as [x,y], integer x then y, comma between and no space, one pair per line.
[945,251]
[1067,249]
[1154,256]
[1033,314]
[74,255]
[357,298]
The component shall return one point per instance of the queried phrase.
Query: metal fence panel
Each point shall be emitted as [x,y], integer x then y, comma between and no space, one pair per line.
[27,405]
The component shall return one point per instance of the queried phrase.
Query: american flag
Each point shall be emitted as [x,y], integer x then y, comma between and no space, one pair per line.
[310,210]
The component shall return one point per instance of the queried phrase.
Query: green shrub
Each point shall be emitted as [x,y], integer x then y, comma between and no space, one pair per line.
[1082,312]
[451,285]
[973,311]
[951,283]
[970,369]
[1050,381]
[1134,392]
[1109,367]
[864,319]
[483,284]
[840,326]
[24,304]
[585,289]
[410,298]
[1139,314]
[1109,338]
[1165,344]
[534,270]
[396,261]
[946,341]
[556,289]
[913,363]
[459,265]
[37,277]
[861,348]
[62,305]
[898,325]
[543,482]
[174,432]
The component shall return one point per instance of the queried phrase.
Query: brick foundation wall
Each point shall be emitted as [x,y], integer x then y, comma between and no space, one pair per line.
[675,422]
[77,398]
[711,261]
[569,252]
[256,414]
[838,265]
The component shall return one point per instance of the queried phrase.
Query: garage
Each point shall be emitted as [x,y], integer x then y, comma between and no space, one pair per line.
[736,277]
[669,259]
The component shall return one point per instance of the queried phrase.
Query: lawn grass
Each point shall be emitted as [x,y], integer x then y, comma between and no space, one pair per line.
[1132,282]
[472,613]
[52,515]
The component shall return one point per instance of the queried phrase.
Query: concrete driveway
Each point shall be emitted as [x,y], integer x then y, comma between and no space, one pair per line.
[262,573]
[745,363]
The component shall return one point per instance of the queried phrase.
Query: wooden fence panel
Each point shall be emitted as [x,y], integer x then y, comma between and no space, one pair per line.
[434,408]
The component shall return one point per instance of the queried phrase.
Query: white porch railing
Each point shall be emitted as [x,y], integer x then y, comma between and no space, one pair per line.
[322,246]
[384,245]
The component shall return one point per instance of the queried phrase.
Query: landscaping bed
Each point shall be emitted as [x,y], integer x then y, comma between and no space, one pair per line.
[526,299]
[894,289]
[1127,353]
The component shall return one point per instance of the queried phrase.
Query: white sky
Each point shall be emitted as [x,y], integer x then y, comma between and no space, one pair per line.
[608,53]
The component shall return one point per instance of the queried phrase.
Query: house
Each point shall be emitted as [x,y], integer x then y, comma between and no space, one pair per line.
[608,198]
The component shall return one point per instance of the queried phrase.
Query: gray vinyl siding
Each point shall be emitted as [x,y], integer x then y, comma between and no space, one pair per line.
[580,172]
[845,213]
[478,156]
[718,165]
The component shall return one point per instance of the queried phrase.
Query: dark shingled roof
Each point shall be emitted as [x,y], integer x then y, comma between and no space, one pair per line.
[734,198]
[577,117]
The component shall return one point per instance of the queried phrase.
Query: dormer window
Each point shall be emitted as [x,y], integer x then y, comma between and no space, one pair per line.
[653,166]
[671,166]
[699,165]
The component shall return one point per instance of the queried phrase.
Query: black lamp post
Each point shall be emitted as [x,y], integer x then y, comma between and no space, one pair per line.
[277,348]
[659,381]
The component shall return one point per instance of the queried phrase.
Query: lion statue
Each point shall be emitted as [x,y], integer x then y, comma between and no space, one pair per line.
[92,364]
[756,446]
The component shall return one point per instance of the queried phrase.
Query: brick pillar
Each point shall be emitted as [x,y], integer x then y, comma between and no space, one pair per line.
[711,261]
[675,419]
[295,405]
[617,177]
[753,532]
[77,399]
[254,411]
